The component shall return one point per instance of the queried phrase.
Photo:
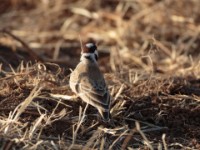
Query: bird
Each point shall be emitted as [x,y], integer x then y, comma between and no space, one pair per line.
[88,83]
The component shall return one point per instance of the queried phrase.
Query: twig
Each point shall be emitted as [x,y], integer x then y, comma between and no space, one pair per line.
[146,141]
[182,146]
[164,142]
[32,54]
[65,97]
[118,139]
[81,119]
[146,123]
[119,92]
[128,138]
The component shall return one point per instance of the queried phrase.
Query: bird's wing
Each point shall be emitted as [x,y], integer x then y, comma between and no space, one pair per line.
[96,92]
[89,84]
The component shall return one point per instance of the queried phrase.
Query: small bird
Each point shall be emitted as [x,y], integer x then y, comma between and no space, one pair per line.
[88,82]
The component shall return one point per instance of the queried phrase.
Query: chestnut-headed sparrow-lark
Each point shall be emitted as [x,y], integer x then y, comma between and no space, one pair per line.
[88,82]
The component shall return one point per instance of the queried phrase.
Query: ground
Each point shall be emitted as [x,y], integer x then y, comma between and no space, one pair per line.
[149,54]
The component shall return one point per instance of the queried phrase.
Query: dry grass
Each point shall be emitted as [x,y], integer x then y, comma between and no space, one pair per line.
[149,52]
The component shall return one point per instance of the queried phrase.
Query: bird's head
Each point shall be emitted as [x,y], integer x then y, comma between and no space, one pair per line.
[89,52]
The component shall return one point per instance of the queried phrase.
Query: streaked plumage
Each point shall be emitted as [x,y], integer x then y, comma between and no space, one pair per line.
[88,82]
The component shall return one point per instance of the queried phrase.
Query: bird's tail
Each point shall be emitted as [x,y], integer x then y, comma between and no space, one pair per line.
[105,115]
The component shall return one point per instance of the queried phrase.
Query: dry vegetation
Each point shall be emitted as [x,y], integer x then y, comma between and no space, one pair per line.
[149,52]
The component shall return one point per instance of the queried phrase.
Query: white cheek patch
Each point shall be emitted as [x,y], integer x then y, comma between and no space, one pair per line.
[91,55]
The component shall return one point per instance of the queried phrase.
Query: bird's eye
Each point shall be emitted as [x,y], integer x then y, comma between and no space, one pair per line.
[93,48]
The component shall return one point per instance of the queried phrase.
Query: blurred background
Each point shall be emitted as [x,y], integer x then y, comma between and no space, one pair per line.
[150,56]
[152,35]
